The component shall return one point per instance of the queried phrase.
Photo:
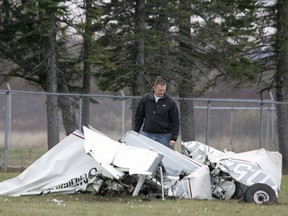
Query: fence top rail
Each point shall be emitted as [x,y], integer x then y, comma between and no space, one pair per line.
[124,97]
[235,108]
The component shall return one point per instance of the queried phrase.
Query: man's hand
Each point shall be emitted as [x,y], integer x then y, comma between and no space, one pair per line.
[172,144]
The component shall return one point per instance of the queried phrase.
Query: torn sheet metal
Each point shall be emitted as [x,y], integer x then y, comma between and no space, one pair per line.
[120,157]
[184,173]
[257,167]
[193,186]
[64,169]
[174,162]
[92,162]
[200,152]
[67,168]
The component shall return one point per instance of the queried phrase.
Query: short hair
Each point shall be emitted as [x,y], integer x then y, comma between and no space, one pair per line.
[160,81]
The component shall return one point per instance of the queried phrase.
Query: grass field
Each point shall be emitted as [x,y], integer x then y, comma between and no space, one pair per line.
[88,204]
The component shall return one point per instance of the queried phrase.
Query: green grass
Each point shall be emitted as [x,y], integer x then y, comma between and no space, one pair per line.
[88,204]
[22,155]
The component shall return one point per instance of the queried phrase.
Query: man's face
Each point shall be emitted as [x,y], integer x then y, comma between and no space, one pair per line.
[160,90]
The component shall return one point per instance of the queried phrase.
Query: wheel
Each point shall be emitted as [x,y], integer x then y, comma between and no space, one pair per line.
[260,193]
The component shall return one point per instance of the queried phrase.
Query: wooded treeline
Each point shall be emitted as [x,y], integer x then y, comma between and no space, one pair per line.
[127,44]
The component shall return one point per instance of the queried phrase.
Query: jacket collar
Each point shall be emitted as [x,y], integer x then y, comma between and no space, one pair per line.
[151,95]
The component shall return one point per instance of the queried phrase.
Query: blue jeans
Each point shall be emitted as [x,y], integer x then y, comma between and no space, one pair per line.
[161,138]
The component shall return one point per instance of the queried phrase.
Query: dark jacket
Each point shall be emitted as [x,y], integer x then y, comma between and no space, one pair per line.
[161,117]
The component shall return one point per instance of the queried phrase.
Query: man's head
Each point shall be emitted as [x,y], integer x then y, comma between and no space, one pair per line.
[159,87]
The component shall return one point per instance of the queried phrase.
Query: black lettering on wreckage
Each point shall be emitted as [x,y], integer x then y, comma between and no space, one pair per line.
[78,181]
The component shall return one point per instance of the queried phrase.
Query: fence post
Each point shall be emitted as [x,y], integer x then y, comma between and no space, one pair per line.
[231,128]
[261,125]
[80,113]
[272,116]
[123,113]
[7,127]
[208,121]
[268,127]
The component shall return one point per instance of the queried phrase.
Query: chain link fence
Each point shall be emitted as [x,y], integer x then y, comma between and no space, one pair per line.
[238,125]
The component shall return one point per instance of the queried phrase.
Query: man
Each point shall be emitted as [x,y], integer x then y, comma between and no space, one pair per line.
[158,113]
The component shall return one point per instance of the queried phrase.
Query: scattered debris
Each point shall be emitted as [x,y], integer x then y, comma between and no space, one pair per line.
[55,201]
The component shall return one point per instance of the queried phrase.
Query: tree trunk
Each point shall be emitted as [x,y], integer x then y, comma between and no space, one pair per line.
[187,119]
[139,84]
[87,66]
[52,106]
[186,112]
[68,110]
[186,80]
[281,78]
[67,107]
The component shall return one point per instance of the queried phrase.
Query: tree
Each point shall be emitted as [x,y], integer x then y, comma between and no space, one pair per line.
[87,36]
[186,81]
[125,33]
[184,57]
[281,79]
[49,38]
[136,44]
[28,40]
[138,87]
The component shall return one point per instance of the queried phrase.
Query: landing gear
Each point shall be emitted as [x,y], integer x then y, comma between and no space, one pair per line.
[260,193]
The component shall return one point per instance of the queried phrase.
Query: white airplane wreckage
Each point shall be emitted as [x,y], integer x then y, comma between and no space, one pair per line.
[136,165]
